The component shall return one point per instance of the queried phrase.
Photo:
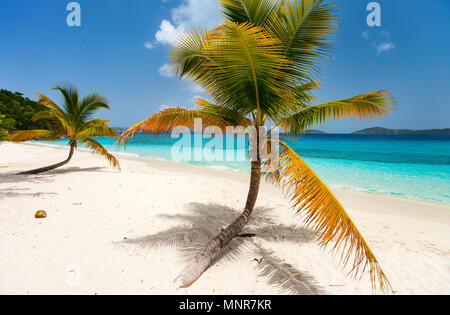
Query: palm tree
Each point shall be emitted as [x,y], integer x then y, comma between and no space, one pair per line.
[261,66]
[73,122]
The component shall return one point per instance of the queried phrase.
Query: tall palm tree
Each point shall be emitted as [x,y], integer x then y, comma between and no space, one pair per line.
[261,66]
[73,121]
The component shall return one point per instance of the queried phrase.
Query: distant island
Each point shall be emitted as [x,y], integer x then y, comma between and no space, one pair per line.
[385,131]
[315,132]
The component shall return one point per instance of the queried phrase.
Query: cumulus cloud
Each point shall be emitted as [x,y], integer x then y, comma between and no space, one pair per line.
[188,15]
[166,71]
[168,33]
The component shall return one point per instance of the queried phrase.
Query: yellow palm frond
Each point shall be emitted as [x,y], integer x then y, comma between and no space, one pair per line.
[322,211]
[163,122]
[25,135]
[55,118]
[369,106]
[97,148]
[96,128]
[47,102]
[232,118]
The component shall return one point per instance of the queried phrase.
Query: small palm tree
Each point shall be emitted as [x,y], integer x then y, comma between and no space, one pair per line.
[260,66]
[73,122]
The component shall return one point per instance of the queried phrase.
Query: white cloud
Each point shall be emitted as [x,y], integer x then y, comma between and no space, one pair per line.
[384,47]
[188,15]
[168,33]
[166,70]
[379,40]
[148,45]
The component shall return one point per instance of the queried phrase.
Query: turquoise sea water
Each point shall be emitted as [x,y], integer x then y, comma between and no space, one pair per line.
[415,166]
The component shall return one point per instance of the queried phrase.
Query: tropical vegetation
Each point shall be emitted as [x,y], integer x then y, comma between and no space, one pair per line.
[72,121]
[260,67]
[18,111]
[3,133]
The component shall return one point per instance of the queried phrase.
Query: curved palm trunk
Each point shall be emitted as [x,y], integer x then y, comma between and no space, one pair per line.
[203,259]
[51,167]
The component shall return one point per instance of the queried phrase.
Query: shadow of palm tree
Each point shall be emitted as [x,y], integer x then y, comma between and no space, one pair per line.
[75,169]
[15,192]
[204,221]
[11,191]
[11,178]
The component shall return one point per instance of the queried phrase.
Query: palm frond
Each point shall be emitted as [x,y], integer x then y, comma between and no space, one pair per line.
[97,148]
[232,118]
[91,104]
[71,96]
[241,69]
[165,121]
[188,55]
[57,119]
[369,106]
[325,214]
[25,135]
[47,102]
[243,11]
[306,30]
[96,128]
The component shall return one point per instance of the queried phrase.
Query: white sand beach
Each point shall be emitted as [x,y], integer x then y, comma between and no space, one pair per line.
[130,232]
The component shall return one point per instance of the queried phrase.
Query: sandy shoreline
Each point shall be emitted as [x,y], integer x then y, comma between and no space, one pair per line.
[101,225]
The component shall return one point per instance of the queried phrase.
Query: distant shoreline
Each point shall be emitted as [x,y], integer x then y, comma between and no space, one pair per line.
[385,131]
[370,131]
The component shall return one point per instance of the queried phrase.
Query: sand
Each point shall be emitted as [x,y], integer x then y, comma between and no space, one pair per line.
[131,232]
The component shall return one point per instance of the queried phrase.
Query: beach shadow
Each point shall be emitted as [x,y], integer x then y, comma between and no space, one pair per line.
[205,221]
[25,192]
[12,178]
[75,169]
[16,178]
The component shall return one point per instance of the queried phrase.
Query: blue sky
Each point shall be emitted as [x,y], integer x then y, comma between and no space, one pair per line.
[122,46]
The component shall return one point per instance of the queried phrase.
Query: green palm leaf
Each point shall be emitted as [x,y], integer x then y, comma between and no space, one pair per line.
[371,105]
[254,11]
[306,30]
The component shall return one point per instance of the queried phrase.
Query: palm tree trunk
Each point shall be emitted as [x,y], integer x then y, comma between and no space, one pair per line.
[203,259]
[51,167]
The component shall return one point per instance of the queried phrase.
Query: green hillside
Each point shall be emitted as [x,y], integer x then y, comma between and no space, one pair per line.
[17,112]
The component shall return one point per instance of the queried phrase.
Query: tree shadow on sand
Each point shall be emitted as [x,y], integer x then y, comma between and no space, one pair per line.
[13,178]
[76,169]
[16,192]
[206,220]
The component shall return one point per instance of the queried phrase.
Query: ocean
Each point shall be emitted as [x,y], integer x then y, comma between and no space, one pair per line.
[414,166]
